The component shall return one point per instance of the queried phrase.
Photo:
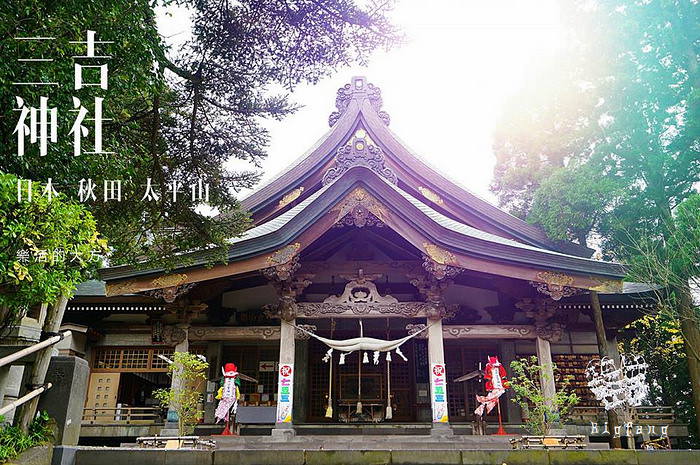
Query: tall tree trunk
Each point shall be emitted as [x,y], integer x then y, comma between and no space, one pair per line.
[615,443]
[691,337]
[52,324]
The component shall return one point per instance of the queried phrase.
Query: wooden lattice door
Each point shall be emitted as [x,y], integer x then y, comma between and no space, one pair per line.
[318,382]
[461,397]
[344,383]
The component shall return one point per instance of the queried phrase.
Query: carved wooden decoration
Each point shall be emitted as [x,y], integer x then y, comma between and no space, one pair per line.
[298,334]
[233,333]
[284,263]
[361,291]
[359,219]
[479,331]
[430,195]
[554,285]
[169,280]
[291,197]
[120,288]
[552,332]
[283,255]
[344,96]
[173,335]
[359,152]
[438,270]
[358,205]
[169,294]
[399,309]
[439,255]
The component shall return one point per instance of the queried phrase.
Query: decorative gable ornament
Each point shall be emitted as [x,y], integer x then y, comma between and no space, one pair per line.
[361,291]
[359,152]
[360,89]
[359,208]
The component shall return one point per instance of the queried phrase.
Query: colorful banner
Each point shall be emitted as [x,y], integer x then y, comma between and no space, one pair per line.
[285,393]
[438,392]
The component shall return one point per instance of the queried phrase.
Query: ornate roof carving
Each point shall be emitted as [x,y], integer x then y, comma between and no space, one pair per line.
[361,291]
[555,285]
[359,204]
[361,88]
[359,152]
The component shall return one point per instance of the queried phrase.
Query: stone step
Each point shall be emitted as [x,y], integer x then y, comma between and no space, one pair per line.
[387,442]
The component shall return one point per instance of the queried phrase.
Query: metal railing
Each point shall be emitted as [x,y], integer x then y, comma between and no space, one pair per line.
[646,415]
[122,416]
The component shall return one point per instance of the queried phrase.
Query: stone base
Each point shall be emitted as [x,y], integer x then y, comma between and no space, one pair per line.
[441,430]
[64,402]
[284,431]
[169,432]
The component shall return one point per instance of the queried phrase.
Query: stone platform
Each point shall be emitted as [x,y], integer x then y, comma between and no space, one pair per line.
[364,442]
[277,456]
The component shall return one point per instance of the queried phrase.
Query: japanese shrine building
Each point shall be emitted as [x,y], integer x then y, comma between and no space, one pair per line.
[358,230]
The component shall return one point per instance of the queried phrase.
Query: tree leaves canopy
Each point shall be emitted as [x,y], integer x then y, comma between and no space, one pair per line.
[175,116]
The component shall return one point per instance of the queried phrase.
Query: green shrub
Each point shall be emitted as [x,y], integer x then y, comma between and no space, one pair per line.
[13,441]
[543,411]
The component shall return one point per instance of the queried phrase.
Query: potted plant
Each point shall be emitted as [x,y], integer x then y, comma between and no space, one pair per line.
[543,412]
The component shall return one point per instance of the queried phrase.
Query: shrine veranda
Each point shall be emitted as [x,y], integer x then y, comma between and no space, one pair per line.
[359,234]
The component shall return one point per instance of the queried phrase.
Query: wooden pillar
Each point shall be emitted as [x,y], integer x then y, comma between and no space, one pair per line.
[52,324]
[171,425]
[544,358]
[513,411]
[603,351]
[438,378]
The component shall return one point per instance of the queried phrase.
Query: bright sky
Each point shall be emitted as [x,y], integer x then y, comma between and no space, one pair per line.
[443,89]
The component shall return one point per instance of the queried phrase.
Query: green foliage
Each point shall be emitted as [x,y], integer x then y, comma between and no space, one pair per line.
[29,227]
[659,339]
[544,411]
[13,441]
[567,203]
[188,372]
[670,262]
[617,157]
[176,116]
[617,111]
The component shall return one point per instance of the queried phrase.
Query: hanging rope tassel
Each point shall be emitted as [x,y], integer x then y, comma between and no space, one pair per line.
[389,411]
[342,359]
[329,409]
[375,357]
[400,354]
[365,358]
[388,356]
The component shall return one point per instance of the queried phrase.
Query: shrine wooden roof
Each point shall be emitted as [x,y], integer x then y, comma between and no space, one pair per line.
[359,108]
[358,171]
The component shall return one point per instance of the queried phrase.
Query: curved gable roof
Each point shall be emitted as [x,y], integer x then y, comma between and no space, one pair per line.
[359,105]
[411,218]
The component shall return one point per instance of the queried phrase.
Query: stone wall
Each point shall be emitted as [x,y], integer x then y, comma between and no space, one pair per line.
[104,456]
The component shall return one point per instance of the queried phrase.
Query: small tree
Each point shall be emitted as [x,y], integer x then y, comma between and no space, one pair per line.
[544,411]
[188,372]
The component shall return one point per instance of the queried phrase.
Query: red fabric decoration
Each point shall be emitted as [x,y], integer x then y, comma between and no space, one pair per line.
[495,375]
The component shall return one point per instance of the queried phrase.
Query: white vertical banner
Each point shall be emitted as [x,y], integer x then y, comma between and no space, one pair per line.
[285,393]
[438,392]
